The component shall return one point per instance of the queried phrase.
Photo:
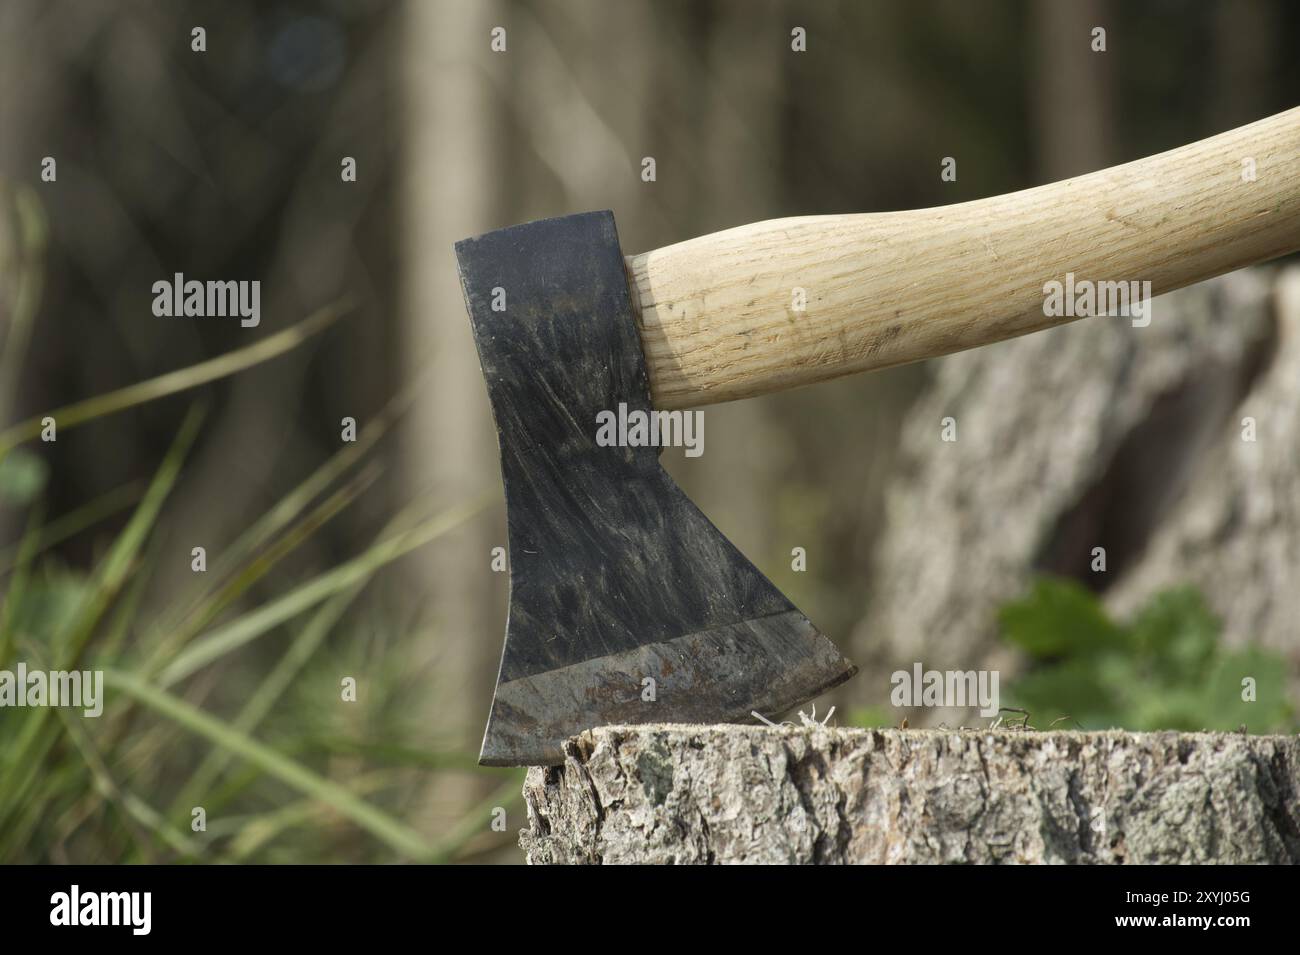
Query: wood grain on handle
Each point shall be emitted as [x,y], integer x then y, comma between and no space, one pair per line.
[716,315]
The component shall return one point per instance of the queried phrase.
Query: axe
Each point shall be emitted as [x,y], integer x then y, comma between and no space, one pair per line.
[626,604]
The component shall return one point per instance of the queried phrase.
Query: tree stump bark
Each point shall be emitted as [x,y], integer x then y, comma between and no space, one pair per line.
[753,794]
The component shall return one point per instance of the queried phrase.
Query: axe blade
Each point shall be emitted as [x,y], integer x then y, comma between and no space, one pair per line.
[616,578]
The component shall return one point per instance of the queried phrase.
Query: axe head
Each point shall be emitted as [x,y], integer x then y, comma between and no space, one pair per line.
[626,604]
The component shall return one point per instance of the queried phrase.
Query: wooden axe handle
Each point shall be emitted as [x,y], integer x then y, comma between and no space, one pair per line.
[718,315]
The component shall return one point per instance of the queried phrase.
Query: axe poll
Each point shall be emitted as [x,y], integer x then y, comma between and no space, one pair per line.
[617,581]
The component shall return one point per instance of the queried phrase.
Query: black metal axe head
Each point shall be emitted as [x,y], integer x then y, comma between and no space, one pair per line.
[616,578]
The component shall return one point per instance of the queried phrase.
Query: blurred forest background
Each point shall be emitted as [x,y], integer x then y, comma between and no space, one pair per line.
[226,164]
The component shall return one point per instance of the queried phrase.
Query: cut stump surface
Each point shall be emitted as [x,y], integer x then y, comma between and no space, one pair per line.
[734,794]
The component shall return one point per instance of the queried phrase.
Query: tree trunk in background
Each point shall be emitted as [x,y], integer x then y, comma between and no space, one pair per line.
[1244,64]
[30,115]
[140,194]
[960,539]
[1071,88]
[737,135]
[577,96]
[739,794]
[1098,434]
[547,128]
[452,178]
[1235,532]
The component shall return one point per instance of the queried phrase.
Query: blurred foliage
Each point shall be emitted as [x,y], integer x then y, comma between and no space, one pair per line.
[1163,670]
[22,477]
[290,774]
[870,717]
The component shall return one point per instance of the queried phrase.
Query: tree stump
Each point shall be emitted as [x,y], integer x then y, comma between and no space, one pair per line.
[755,794]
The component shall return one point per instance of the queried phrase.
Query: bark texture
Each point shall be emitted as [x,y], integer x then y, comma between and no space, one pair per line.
[1172,447]
[750,794]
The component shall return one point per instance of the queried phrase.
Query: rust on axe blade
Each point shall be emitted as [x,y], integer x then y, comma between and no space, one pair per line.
[616,578]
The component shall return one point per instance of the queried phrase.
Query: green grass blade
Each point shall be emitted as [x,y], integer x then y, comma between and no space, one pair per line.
[33,741]
[183,379]
[76,521]
[271,689]
[296,501]
[474,823]
[217,643]
[143,819]
[33,233]
[273,686]
[27,549]
[255,833]
[392,832]
[125,615]
[203,613]
[117,565]
[285,511]
[51,799]
[398,754]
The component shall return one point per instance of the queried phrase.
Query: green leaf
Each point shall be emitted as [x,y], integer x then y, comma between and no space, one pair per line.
[1178,631]
[1164,707]
[1059,617]
[53,597]
[1073,688]
[22,477]
[1164,672]
[870,717]
[1222,696]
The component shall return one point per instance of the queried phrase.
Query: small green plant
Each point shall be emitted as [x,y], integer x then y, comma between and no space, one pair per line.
[1163,670]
